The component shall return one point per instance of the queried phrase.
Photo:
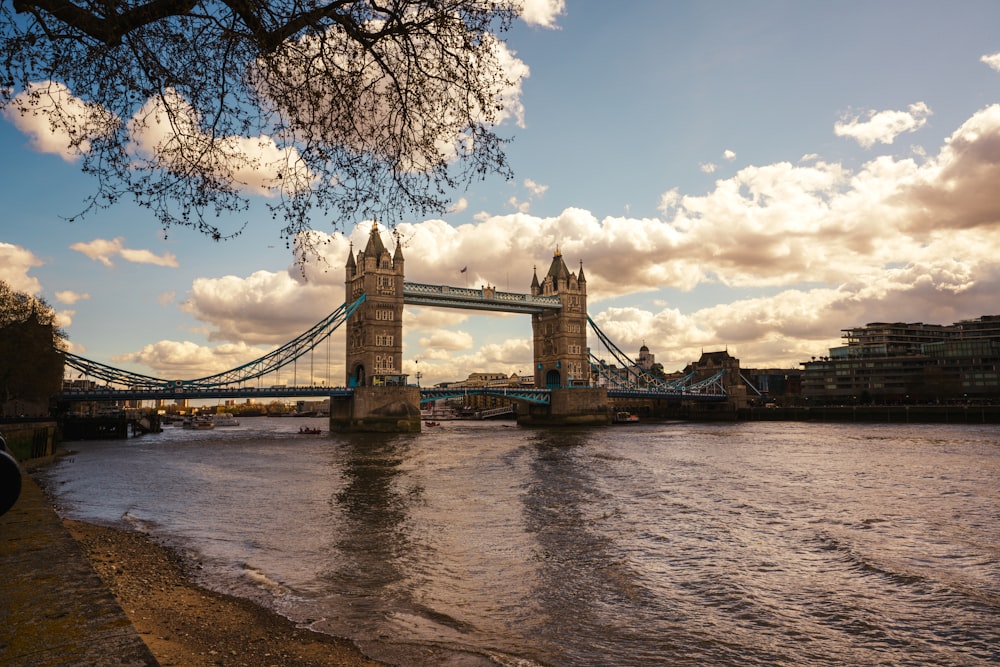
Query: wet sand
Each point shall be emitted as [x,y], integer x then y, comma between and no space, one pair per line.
[185,624]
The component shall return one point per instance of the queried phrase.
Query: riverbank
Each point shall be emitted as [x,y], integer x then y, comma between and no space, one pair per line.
[184,624]
[68,583]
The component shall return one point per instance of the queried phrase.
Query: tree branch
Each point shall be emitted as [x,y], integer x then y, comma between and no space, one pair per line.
[108,30]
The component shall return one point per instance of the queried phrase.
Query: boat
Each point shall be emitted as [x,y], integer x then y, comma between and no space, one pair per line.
[225,419]
[623,417]
[306,430]
[432,423]
[199,423]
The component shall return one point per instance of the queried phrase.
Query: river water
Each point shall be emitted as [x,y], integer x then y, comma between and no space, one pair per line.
[481,543]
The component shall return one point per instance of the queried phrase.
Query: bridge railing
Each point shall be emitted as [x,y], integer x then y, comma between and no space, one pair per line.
[458,294]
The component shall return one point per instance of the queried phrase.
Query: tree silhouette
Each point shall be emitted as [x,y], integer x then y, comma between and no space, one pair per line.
[192,107]
[31,359]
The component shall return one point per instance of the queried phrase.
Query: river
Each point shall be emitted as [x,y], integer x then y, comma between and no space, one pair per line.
[782,543]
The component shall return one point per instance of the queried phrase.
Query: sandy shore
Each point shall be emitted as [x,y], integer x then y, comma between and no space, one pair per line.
[184,624]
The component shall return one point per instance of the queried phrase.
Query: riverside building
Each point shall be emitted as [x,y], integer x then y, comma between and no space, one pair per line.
[909,363]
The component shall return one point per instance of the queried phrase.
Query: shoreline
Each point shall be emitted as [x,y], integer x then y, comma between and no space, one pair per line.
[185,624]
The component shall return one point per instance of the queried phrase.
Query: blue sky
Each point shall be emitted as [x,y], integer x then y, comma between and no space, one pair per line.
[754,176]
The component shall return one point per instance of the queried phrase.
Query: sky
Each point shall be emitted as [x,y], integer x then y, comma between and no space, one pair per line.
[751,175]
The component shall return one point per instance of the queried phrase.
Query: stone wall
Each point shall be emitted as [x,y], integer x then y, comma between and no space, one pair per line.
[378,409]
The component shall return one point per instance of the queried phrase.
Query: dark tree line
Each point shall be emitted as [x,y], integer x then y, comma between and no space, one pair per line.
[31,354]
[347,107]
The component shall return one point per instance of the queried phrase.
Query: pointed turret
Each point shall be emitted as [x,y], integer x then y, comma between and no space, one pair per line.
[397,256]
[582,279]
[375,246]
[558,270]
[535,286]
[352,266]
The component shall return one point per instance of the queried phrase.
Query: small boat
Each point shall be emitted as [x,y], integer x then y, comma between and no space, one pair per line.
[432,423]
[306,430]
[625,418]
[225,419]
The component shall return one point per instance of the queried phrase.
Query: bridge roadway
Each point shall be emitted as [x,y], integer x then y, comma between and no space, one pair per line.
[487,298]
[427,395]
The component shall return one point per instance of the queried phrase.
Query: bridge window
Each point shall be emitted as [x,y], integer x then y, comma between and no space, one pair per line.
[383,362]
[386,284]
[385,315]
[383,340]
[573,349]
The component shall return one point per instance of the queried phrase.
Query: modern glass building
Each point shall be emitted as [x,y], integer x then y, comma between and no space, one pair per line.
[909,363]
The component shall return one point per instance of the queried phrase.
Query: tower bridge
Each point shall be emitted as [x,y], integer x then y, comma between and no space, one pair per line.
[571,385]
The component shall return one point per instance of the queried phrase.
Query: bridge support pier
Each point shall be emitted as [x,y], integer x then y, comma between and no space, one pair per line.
[386,409]
[580,406]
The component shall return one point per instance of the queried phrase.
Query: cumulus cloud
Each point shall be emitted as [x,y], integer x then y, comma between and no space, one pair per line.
[15,263]
[882,126]
[542,13]
[728,155]
[448,341]
[104,250]
[536,189]
[459,205]
[708,167]
[70,297]
[56,121]
[992,61]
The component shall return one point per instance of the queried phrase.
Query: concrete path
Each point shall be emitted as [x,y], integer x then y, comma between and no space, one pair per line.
[54,609]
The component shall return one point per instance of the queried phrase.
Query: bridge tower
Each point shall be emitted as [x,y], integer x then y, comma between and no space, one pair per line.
[381,401]
[560,336]
[374,354]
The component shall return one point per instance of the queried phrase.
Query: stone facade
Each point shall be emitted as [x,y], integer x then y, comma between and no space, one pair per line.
[561,356]
[374,340]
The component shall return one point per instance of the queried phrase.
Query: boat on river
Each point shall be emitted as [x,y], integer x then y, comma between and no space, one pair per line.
[199,423]
[623,417]
[225,419]
[306,430]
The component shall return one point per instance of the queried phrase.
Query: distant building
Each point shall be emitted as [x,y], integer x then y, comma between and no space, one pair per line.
[646,360]
[909,363]
[779,386]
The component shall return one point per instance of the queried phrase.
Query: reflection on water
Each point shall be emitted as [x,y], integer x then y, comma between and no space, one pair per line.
[477,544]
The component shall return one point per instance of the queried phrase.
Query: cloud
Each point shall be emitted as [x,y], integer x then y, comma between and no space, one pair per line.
[882,126]
[64,318]
[459,205]
[103,250]
[728,155]
[542,13]
[56,121]
[15,263]
[708,167]
[448,341]
[70,297]
[992,61]
[536,189]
